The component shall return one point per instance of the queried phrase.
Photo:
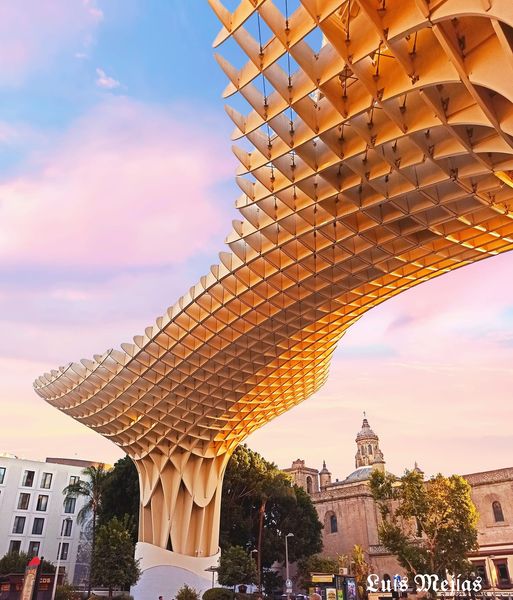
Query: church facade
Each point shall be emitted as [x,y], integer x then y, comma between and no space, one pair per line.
[350,516]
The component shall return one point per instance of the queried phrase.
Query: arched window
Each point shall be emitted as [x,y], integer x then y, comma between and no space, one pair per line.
[497,511]
[333,524]
[370,449]
[309,484]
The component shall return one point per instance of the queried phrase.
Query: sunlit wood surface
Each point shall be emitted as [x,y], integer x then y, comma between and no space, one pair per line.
[379,156]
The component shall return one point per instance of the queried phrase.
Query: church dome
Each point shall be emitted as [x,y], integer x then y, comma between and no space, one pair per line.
[366,432]
[361,474]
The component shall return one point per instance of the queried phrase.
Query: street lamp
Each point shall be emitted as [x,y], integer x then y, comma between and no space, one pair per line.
[59,554]
[213,569]
[287,583]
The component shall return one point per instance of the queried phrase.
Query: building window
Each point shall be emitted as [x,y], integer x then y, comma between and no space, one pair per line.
[34,549]
[2,474]
[63,548]
[69,505]
[502,573]
[37,526]
[14,546]
[28,479]
[67,524]
[74,479]
[46,481]
[23,501]
[370,449]
[497,511]
[19,525]
[42,502]
[480,571]
[333,524]
[309,484]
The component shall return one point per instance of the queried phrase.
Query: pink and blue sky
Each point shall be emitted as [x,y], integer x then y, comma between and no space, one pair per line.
[116,193]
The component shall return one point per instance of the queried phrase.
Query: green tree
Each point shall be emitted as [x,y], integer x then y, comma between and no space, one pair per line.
[430,526]
[187,593]
[236,567]
[120,496]
[16,562]
[218,593]
[113,563]
[90,488]
[257,498]
[314,564]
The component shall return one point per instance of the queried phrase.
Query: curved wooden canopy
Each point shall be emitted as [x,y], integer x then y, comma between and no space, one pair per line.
[382,156]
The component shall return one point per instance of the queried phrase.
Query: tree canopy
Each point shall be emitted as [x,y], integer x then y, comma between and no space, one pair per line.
[314,564]
[260,505]
[91,488]
[16,562]
[249,480]
[431,525]
[236,566]
[113,563]
[120,497]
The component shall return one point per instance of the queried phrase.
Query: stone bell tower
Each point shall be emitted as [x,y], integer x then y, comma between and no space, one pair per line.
[368,452]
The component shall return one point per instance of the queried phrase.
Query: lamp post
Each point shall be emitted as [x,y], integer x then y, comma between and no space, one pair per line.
[287,583]
[213,569]
[59,554]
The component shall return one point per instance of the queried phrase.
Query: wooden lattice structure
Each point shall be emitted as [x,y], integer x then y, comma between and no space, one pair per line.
[380,158]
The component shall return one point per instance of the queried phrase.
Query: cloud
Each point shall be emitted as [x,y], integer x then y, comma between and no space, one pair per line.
[33,33]
[102,227]
[126,185]
[104,81]
[91,7]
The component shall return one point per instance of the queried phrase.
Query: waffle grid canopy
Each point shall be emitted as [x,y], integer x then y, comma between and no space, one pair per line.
[381,156]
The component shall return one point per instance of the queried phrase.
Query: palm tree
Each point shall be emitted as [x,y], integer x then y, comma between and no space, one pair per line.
[91,488]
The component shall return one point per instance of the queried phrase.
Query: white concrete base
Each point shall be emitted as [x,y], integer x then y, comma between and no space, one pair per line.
[163,572]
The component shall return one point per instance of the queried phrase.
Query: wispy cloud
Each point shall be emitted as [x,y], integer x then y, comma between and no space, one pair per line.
[128,184]
[105,82]
[93,9]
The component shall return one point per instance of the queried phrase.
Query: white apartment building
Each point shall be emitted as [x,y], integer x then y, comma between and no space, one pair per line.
[35,516]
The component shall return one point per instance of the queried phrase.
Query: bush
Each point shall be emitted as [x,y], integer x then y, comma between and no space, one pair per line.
[66,592]
[187,593]
[247,596]
[218,594]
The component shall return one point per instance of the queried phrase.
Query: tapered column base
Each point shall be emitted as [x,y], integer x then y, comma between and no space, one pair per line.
[163,572]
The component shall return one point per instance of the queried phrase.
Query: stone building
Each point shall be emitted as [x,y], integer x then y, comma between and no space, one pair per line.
[492,493]
[350,515]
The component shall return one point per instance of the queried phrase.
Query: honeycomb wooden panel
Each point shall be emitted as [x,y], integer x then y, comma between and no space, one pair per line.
[381,157]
